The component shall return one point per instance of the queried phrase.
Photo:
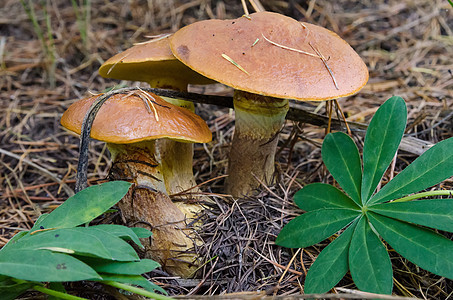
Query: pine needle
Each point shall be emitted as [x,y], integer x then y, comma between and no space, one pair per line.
[325,64]
[148,102]
[289,48]
[154,38]
[235,63]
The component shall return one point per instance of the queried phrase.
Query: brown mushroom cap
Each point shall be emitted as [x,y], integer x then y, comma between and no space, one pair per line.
[150,62]
[272,70]
[124,119]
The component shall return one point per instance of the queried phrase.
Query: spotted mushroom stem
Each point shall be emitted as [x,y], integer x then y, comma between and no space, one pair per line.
[174,241]
[258,120]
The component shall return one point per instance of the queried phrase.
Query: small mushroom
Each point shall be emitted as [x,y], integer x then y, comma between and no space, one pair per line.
[131,131]
[154,63]
[267,58]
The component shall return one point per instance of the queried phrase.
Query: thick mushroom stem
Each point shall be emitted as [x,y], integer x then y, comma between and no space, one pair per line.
[257,125]
[177,157]
[174,241]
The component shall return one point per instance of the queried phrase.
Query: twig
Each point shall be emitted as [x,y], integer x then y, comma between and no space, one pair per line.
[343,116]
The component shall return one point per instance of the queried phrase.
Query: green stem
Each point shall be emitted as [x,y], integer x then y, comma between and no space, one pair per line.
[425,194]
[56,294]
[136,290]
[451,3]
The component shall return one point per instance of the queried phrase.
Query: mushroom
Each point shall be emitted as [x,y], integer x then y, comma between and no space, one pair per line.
[267,58]
[154,63]
[130,132]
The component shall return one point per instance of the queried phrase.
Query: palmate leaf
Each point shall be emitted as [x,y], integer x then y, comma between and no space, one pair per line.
[342,159]
[314,227]
[320,195]
[425,248]
[432,167]
[331,264]
[434,213]
[44,265]
[88,203]
[369,261]
[381,142]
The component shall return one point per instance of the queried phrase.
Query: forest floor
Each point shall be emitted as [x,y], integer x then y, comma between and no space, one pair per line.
[44,67]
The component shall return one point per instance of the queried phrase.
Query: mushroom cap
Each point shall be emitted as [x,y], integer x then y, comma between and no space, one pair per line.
[150,62]
[124,119]
[272,70]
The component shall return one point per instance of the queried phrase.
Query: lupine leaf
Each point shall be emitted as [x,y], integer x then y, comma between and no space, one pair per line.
[314,227]
[434,213]
[331,264]
[342,159]
[369,261]
[425,248]
[433,166]
[320,195]
[381,142]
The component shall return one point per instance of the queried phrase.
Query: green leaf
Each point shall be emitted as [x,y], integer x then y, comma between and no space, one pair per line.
[135,280]
[342,159]
[432,167]
[82,241]
[369,261]
[320,195]
[14,239]
[331,264]
[44,265]
[425,248]
[125,268]
[434,213]
[76,240]
[38,222]
[118,248]
[10,290]
[142,233]
[88,203]
[123,232]
[314,227]
[381,142]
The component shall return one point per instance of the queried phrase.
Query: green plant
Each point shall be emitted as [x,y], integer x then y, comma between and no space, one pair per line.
[47,41]
[367,216]
[83,19]
[56,250]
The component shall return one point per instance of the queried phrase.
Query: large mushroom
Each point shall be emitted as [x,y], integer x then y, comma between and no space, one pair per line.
[154,63]
[267,58]
[131,131]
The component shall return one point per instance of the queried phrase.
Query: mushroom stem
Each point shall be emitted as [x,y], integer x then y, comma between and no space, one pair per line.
[258,122]
[177,157]
[174,241]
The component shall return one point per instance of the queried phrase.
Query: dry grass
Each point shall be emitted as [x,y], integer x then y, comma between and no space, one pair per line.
[406,44]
